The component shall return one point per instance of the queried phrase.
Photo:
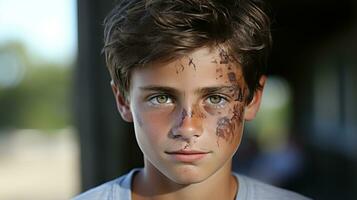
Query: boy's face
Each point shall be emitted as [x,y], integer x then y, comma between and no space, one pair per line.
[189,114]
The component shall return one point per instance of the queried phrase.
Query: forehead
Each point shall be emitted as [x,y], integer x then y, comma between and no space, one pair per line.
[204,67]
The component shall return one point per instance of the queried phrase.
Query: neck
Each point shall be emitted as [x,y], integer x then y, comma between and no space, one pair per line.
[152,184]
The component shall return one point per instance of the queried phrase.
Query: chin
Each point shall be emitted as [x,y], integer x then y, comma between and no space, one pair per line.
[186,175]
[186,180]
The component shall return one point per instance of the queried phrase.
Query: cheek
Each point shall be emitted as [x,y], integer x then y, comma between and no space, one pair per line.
[229,127]
[152,123]
[227,123]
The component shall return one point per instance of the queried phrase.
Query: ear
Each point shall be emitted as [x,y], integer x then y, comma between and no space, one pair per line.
[123,105]
[253,107]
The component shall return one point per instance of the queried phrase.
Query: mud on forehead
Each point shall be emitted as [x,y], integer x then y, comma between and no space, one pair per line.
[220,56]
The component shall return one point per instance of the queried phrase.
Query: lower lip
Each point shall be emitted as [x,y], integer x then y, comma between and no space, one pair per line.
[188,157]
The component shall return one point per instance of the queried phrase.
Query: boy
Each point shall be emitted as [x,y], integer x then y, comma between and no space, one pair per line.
[187,73]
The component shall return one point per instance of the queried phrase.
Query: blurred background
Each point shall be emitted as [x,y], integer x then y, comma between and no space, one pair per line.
[60,132]
[39,147]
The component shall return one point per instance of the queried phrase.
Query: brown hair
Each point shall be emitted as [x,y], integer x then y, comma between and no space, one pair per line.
[141,31]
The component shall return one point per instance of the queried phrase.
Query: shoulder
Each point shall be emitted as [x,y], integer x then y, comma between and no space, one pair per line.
[253,189]
[118,188]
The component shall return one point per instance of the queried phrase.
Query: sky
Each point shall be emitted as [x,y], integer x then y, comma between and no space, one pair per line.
[48,28]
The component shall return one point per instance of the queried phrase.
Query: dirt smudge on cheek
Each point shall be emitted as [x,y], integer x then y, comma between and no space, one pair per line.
[196,112]
[238,111]
[224,128]
[227,127]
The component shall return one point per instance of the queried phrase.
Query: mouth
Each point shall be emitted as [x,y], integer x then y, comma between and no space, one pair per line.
[187,156]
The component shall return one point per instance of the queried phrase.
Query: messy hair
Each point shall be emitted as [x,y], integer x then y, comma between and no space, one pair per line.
[138,32]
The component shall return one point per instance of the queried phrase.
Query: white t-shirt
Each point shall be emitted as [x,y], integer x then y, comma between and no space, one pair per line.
[249,189]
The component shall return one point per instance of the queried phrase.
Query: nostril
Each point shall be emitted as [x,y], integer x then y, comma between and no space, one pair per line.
[186,126]
[176,136]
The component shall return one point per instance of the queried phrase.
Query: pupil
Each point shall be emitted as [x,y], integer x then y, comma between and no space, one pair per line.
[215,99]
[162,99]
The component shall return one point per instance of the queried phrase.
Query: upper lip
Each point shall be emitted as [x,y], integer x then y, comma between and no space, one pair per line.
[187,151]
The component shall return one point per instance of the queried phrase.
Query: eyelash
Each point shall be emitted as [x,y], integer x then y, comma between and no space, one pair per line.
[153,100]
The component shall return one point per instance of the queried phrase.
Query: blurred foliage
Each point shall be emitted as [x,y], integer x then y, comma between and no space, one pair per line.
[271,127]
[41,100]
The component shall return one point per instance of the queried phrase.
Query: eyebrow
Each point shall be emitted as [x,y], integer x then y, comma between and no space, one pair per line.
[200,91]
[163,89]
[209,90]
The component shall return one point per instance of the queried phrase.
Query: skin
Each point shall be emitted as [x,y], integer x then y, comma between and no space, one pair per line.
[201,107]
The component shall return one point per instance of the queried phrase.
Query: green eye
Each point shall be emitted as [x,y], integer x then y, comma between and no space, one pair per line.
[162,99]
[215,99]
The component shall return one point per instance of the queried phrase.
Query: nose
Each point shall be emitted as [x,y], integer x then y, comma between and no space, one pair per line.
[187,126]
